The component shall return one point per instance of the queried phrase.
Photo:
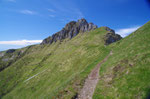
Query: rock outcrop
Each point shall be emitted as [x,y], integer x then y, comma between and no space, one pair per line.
[111,36]
[10,51]
[70,30]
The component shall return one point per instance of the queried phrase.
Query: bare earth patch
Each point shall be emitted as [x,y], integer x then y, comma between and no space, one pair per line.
[91,82]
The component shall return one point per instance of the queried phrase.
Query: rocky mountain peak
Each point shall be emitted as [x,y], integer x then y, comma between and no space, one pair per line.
[70,30]
[82,22]
[111,36]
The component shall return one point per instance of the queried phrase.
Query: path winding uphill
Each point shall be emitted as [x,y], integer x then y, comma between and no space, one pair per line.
[90,83]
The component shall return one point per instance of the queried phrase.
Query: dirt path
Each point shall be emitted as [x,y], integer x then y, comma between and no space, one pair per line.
[90,83]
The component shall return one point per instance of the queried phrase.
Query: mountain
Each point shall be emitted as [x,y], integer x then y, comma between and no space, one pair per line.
[60,65]
[70,30]
[73,28]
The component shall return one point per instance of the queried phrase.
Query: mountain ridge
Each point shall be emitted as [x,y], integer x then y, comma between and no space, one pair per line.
[70,30]
[73,28]
[58,70]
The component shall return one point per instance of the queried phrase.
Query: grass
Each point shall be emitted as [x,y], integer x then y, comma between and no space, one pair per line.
[64,64]
[126,73]
[60,69]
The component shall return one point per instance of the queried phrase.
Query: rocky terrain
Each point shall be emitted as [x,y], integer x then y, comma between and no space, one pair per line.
[73,28]
[111,36]
[70,30]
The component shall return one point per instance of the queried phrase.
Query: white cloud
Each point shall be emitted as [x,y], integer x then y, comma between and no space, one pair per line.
[66,10]
[51,10]
[52,16]
[28,12]
[126,31]
[20,42]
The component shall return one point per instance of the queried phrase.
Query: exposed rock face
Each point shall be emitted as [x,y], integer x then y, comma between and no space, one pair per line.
[10,51]
[111,37]
[70,30]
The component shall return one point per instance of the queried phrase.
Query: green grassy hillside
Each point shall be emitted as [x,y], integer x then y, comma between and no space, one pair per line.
[10,56]
[59,70]
[126,74]
[55,70]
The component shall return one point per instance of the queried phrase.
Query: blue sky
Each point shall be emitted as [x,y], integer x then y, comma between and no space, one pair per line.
[25,22]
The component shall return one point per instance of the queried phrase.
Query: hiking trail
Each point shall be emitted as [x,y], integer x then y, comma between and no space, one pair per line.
[90,83]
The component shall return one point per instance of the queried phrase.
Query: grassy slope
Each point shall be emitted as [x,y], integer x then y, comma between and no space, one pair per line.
[10,57]
[56,69]
[126,74]
[60,69]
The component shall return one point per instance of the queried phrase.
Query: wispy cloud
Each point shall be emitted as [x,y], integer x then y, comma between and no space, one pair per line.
[78,13]
[72,14]
[51,10]
[126,31]
[66,11]
[20,42]
[11,0]
[30,12]
[52,16]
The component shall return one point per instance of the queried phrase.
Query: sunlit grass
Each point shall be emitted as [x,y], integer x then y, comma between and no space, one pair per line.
[62,63]
[126,73]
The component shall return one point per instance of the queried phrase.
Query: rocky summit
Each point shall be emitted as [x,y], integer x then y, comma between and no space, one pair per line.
[111,36]
[70,30]
[73,28]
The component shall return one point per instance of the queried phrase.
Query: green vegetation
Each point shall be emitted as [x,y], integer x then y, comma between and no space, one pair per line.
[59,70]
[54,69]
[126,74]
[9,57]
